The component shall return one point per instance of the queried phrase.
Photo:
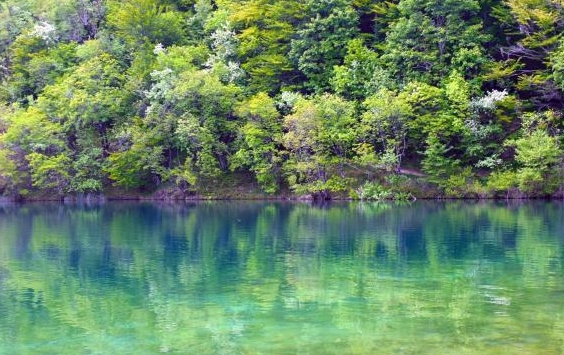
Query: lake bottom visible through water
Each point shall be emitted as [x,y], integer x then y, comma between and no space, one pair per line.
[282,278]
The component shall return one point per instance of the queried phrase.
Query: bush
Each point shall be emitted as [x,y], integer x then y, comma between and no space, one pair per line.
[460,184]
[502,182]
[373,190]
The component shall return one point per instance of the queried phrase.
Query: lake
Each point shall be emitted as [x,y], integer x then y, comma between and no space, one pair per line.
[282,278]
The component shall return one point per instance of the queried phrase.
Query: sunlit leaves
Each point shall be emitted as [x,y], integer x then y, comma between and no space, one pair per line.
[50,172]
[537,150]
[260,141]
[385,125]
[319,135]
[361,73]
[33,143]
[91,94]
[181,90]
[264,29]
[140,164]
[138,21]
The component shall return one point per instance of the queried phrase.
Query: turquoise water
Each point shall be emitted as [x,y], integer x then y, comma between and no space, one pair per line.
[282,278]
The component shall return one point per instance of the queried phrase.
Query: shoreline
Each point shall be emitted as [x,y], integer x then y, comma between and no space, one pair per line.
[277,198]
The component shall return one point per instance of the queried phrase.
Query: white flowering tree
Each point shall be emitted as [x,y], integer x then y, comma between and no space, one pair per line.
[483,126]
[222,59]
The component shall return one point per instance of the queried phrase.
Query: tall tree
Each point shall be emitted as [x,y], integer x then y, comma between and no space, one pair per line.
[321,42]
[430,35]
[264,29]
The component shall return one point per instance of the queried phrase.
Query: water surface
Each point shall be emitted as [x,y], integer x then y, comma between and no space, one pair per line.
[281,278]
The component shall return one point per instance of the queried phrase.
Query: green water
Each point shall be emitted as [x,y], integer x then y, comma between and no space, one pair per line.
[276,278]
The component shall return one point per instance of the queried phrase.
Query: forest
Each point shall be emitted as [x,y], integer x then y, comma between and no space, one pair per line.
[365,99]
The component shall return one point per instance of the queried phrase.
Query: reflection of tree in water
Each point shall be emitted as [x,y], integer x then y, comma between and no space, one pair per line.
[217,276]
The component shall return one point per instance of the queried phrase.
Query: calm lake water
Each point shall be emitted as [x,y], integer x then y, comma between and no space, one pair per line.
[282,278]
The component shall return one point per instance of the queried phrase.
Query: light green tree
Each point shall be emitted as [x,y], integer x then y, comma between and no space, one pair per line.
[385,126]
[264,29]
[140,21]
[34,153]
[538,154]
[319,137]
[260,140]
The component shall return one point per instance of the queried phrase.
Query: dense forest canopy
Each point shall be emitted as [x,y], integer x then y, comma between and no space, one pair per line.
[314,97]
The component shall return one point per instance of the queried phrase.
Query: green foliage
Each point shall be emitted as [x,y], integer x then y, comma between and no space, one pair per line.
[321,43]
[319,136]
[385,125]
[30,131]
[50,172]
[463,183]
[36,65]
[260,139]
[139,21]
[361,75]
[537,150]
[536,29]
[430,35]
[90,95]
[141,92]
[264,30]
[139,165]
[88,175]
[10,178]
[207,124]
[426,103]
[437,164]
[502,181]
[537,153]
[373,191]
[557,63]
[182,175]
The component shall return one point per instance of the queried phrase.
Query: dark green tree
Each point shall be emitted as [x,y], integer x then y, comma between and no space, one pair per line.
[321,42]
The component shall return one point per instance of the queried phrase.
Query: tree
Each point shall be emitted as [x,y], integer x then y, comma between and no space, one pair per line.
[192,113]
[33,152]
[385,127]
[537,154]
[205,107]
[139,164]
[319,137]
[88,164]
[361,74]
[151,92]
[27,52]
[50,173]
[321,43]
[90,96]
[491,115]
[264,29]
[535,29]
[140,21]
[439,162]
[429,35]
[557,64]
[260,140]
